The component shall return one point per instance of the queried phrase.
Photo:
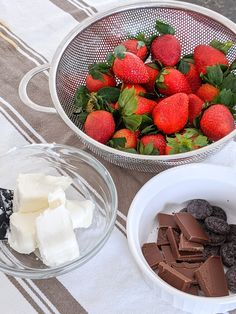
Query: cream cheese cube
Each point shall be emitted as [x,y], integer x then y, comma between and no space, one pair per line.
[81,212]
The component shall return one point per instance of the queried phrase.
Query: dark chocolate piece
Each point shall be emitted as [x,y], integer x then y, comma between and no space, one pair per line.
[194,290]
[219,212]
[166,220]
[200,209]
[6,209]
[228,254]
[162,237]
[185,245]
[217,225]
[191,228]
[167,254]
[231,278]
[173,242]
[152,254]
[187,269]
[211,277]
[173,277]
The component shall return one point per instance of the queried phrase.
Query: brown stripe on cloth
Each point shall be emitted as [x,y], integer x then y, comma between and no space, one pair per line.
[59,296]
[25,294]
[68,7]
[86,4]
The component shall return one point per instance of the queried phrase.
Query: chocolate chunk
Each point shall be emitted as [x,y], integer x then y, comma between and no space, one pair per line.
[166,220]
[211,250]
[200,209]
[194,290]
[191,228]
[152,254]
[173,242]
[228,254]
[231,278]
[219,212]
[187,269]
[185,245]
[217,225]
[167,254]
[162,237]
[6,208]
[231,236]
[215,239]
[173,277]
[211,277]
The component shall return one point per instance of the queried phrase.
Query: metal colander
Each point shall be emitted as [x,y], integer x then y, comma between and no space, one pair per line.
[92,41]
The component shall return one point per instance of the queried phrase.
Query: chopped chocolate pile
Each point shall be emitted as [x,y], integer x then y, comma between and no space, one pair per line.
[6,205]
[192,246]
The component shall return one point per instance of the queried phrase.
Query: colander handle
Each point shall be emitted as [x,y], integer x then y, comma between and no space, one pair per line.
[23,89]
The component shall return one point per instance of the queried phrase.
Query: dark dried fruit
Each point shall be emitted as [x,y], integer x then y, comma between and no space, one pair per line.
[219,213]
[217,225]
[183,210]
[228,254]
[215,239]
[200,209]
[231,278]
[231,236]
[210,250]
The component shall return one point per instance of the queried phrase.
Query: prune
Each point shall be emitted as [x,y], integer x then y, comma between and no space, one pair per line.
[217,225]
[210,250]
[200,209]
[215,239]
[231,236]
[219,213]
[228,254]
[231,278]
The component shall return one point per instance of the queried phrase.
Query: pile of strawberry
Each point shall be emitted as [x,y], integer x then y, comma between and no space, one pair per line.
[163,103]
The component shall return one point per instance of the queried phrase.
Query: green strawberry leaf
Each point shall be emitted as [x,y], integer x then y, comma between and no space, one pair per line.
[146,121]
[81,98]
[140,44]
[147,149]
[129,150]
[132,122]
[200,141]
[183,66]
[222,46]
[229,82]
[150,129]
[98,69]
[110,58]
[128,101]
[214,75]
[81,117]
[190,132]
[117,142]
[109,94]
[119,52]
[164,28]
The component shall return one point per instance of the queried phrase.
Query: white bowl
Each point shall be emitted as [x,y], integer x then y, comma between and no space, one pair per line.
[167,192]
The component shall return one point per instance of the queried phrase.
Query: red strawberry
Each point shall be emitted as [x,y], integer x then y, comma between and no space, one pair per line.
[171,114]
[138,88]
[158,141]
[166,49]
[144,105]
[216,122]
[195,107]
[153,73]
[193,77]
[137,47]
[99,125]
[130,137]
[128,67]
[99,76]
[205,56]
[171,81]
[207,92]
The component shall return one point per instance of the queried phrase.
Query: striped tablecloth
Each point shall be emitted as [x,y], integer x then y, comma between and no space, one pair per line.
[30,32]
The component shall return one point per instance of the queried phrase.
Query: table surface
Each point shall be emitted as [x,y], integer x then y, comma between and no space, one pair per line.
[30,32]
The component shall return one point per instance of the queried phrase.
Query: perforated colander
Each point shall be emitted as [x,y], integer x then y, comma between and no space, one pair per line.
[91,42]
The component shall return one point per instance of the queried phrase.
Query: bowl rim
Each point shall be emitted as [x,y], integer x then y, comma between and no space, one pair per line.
[137,4]
[66,267]
[131,237]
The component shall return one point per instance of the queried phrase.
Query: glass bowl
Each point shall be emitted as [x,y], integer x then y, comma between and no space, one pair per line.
[91,180]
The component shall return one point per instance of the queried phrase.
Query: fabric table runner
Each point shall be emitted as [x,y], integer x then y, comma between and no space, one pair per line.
[30,32]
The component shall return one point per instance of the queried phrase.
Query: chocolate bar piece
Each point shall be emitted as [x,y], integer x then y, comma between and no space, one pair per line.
[211,277]
[152,254]
[194,289]
[191,228]
[167,254]
[185,245]
[166,220]
[173,277]
[187,269]
[6,206]
[162,237]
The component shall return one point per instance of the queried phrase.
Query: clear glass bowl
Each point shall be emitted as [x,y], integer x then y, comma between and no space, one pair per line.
[91,180]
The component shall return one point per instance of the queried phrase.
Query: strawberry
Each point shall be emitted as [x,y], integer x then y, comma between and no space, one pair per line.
[137,47]
[188,140]
[138,88]
[171,81]
[207,92]
[128,67]
[171,114]
[99,76]
[144,105]
[130,137]
[157,140]
[100,125]
[193,77]
[205,55]
[195,107]
[153,73]
[216,122]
